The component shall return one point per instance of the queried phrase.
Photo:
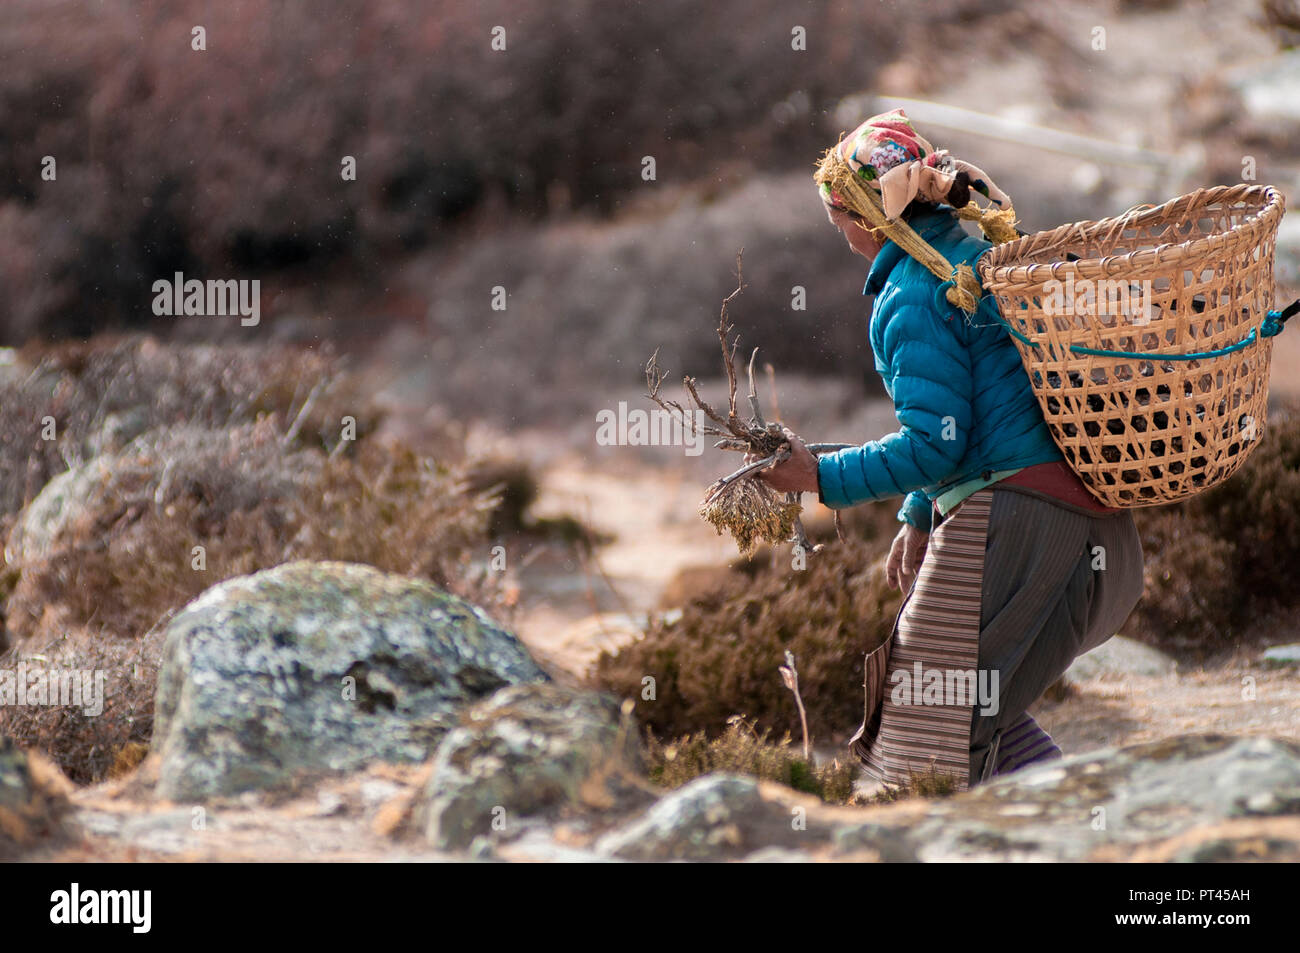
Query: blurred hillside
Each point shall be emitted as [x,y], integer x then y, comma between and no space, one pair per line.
[228,160]
[521,169]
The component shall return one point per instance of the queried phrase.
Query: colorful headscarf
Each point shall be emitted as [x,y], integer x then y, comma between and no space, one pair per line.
[889,154]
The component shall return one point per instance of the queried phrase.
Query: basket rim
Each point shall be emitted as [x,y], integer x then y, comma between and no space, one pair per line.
[998,267]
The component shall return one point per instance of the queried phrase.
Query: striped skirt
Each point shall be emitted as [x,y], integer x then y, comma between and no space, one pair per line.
[1013,587]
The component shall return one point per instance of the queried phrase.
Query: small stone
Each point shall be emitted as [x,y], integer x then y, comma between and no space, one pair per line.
[716,816]
[1282,656]
[526,751]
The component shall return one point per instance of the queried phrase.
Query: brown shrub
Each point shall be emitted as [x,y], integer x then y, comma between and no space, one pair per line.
[919,784]
[720,658]
[1190,596]
[209,169]
[1218,560]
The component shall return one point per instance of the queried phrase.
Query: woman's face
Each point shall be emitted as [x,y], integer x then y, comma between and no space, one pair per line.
[860,239]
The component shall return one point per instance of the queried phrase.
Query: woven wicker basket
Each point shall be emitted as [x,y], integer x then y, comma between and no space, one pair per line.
[1140,421]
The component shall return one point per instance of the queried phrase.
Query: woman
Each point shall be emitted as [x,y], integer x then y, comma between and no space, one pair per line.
[1013,568]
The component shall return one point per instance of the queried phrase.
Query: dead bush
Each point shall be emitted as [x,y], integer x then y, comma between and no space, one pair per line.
[129,552]
[101,394]
[1216,561]
[721,657]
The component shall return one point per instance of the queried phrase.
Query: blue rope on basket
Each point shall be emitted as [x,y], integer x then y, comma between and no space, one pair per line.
[1271,326]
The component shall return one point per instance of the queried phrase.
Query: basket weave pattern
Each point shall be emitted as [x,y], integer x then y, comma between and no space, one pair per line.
[1191,276]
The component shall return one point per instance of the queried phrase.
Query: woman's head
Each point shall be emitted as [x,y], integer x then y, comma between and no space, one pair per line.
[884,172]
[862,238]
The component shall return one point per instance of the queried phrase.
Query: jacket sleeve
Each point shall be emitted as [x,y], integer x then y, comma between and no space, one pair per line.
[917,511]
[929,374]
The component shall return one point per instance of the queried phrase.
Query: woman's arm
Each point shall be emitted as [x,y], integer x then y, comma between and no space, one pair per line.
[930,378]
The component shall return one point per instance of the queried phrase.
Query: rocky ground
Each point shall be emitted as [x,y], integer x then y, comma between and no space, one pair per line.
[319,751]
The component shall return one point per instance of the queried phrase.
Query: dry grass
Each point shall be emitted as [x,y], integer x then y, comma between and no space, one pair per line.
[125,554]
[743,749]
[751,512]
[919,784]
[88,747]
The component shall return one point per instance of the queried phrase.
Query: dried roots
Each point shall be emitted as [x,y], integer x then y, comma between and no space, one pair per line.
[751,512]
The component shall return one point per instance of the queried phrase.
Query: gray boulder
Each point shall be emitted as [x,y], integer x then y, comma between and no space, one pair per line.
[60,501]
[1119,656]
[315,667]
[524,752]
[1107,804]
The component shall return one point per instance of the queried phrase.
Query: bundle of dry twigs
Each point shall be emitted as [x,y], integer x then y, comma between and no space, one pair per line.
[747,508]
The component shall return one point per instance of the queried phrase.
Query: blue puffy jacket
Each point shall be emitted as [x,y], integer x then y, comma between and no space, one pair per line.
[959,389]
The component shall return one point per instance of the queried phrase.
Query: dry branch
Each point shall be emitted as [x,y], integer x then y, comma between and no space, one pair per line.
[747,508]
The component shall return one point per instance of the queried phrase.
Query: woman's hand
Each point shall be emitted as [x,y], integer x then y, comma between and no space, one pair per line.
[795,474]
[905,557]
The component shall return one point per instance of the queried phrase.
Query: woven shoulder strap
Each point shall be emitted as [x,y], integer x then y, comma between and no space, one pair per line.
[961,287]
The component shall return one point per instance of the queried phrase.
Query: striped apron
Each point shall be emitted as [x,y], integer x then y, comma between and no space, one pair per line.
[1009,586]
[938,626]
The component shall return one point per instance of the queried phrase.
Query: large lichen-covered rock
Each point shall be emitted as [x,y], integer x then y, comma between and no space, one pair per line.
[1114,804]
[526,751]
[316,667]
[33,801]
[715,817]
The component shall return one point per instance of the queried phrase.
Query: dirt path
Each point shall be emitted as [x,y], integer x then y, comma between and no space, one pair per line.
[1129,709]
